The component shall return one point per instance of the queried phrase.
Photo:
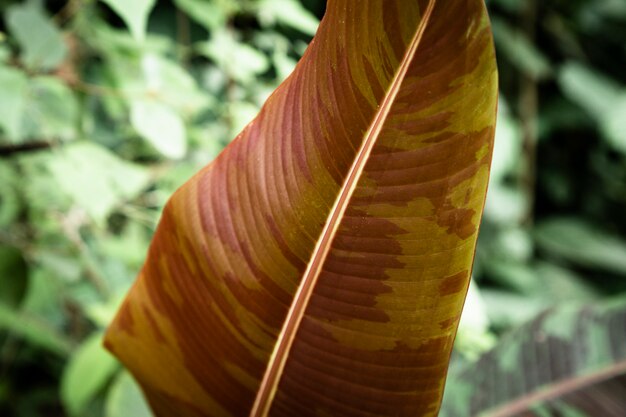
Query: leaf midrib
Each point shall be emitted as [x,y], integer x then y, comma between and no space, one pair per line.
[278,360]
[547,393]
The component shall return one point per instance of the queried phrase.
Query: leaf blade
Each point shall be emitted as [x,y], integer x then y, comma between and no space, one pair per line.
[234,243]
[302,297]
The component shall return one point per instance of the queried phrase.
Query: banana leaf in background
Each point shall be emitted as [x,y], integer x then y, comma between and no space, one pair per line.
[569,361]
[319,265]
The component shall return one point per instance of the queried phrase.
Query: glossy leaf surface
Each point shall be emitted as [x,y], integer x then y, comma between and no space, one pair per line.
[319,265]
[572,358]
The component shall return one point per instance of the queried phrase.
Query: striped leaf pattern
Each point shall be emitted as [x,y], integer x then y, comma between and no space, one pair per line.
[319,265]
[570,361]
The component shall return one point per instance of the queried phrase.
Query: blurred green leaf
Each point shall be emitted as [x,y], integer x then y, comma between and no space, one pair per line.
[126,399]
[614,124]
[561,285]
[505,204]
[279,47]
[87,372]
[159,125]
[129,246]
[473,336]
[5,52]
[10,203]
[134,13]
[52,111]
[14,87]
[508,143]
[601,97]
[521,51]
[515,243]
[288,12]
[102,313]
[506,309]
[583,244]
[610,8]
[588,88]
[44,298]
[40,108]
[541,280]
[33,330]
[63,265]
[240,61]
[95,178]
[13,276]
[171,84]
[210,14]
[120,43]
[41,42]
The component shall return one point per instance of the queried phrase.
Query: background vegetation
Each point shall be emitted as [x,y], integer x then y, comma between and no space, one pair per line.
[106,107]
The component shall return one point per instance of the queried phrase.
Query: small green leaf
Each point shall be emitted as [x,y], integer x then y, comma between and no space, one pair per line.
[239,60]
[582,243]
[41,42]
[172,84]
[588,88]
[210,14]
[508,144]
[505,204]
[521,51]
[125,399]
[14,87]
[161,126]
[88,370]
[601,97]
[134,13]
[614,124]
[52,110]
[96,179]
[290,13]
[473,336]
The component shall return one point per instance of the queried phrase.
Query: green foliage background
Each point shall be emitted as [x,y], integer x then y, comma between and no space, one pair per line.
[106,107]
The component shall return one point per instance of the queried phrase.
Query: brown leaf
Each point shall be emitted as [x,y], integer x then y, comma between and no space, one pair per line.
[319,265]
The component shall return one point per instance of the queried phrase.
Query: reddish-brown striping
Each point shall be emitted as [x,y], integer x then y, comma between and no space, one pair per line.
[392,23]
[380,383]
[356,225]
[165,405]
[449,324]
[158,335]
[234,242]
[459,221]
[197,327]
[454,284]
[282,244]
[124,320]
[375,84]
[347,376]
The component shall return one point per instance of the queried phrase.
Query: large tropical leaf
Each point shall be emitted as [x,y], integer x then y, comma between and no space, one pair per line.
[567,362]
[319,265]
